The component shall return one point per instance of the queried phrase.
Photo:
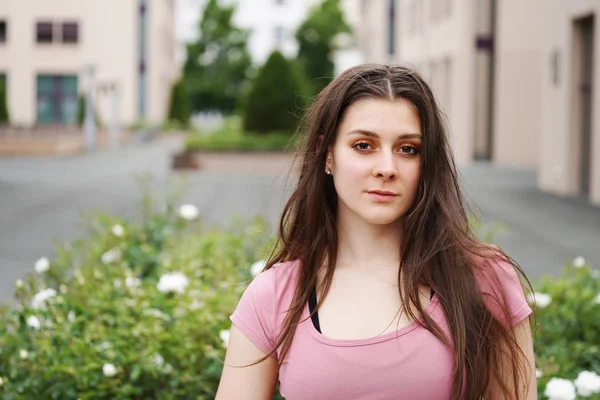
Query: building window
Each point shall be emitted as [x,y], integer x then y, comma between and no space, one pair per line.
[57,99]
[2,31]
[44,32]
[70,32]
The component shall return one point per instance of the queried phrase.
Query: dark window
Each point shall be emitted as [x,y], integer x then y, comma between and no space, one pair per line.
[44,32]
[57,99]
[70,32]
[2,31]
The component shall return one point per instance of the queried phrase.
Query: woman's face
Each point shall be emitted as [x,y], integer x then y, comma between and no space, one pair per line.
[376,162]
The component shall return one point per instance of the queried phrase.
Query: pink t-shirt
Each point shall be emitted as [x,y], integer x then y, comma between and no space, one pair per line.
[410,363]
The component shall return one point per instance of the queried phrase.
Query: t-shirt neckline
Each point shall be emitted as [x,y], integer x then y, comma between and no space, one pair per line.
[433,303]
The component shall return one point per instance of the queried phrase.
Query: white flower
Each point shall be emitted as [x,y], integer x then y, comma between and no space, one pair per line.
[118,230]
[560,389]
[168,368]
[39,299]
[538,373]
[188,212]
[34,322]
[224,335]
[109,370]
[117,283]
[158,359]
[598,299]
[103,346]
[173,282]
[130,282]
[195,305]
[42,265]
[111,256]
[157,313]
[23,354]
[579,262]
[71,316]
[257,267]
[587,383]
[1,381]
[541,300]
[63,288]
[19,283]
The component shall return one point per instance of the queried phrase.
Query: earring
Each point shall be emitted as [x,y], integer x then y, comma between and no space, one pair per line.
[328,171]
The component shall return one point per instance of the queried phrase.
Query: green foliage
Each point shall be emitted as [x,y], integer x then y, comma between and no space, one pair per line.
[231,137]
[179,105]
[279,93]
[567,335]
[217,63]
[316,40]
[4,115]
[109,308]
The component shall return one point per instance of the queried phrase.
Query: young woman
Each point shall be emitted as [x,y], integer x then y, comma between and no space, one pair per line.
[379,290]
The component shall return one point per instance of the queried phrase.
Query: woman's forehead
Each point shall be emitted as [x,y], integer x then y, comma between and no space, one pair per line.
[382,117]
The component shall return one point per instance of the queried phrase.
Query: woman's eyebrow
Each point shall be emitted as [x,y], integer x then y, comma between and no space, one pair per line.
[375,135]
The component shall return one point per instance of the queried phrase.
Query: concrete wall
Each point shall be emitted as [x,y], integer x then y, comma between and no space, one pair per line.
[518,81]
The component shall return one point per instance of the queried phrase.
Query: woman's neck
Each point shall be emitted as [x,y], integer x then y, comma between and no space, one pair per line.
[361,243]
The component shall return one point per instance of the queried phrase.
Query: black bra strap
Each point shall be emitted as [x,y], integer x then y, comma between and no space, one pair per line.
[312,305]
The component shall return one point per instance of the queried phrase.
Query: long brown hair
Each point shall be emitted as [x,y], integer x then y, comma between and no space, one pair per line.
[438,248]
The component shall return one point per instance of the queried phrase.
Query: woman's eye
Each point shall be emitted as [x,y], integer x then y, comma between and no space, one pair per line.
[408,150]
[362,146]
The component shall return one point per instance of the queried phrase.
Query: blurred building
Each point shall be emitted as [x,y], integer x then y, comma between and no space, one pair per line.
[515,78]
[46,52]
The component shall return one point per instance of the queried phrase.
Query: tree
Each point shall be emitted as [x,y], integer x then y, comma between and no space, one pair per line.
[217,63]
[179,106]
[4,116]
[316,41]
[278,94]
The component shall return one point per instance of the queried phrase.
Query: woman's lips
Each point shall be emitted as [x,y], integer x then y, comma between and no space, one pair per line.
[382,197]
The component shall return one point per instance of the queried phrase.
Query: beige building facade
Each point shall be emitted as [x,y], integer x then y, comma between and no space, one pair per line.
[569,146]
[46,52]
[519,81]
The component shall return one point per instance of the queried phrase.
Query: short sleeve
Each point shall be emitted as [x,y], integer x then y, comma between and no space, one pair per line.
[498,277]
[255,315]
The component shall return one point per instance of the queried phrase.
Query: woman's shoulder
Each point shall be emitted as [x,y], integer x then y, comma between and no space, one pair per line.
[500,284]
[492,269]
[277,281]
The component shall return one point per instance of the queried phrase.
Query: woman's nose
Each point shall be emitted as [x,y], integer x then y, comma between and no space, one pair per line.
[385,167]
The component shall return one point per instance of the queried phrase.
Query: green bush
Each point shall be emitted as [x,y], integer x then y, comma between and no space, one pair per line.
[105,320]
[179,105]
[278,96]
[4,116]
[567,336]
[231,137]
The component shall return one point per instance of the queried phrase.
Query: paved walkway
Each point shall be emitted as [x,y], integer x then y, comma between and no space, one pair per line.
[41,200]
